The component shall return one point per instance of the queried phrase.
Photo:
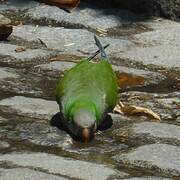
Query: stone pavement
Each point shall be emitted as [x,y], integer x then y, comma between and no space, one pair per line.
[145,52]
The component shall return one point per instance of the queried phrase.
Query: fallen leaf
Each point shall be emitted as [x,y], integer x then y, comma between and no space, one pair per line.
[136,110]
[118,109]
[128,80]
[20,49]
[63,3]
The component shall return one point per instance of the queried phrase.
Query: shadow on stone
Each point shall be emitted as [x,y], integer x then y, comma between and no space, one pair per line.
[164,8]
[58,121]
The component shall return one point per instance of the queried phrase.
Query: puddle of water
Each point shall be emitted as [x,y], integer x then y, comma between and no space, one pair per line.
[26,134]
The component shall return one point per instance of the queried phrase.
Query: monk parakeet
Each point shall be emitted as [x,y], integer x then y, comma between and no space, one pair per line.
[86,94]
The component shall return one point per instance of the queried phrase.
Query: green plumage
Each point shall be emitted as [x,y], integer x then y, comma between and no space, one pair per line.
[85,95]
[91,86]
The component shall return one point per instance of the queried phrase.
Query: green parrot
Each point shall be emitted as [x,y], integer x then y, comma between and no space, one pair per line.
[86,94]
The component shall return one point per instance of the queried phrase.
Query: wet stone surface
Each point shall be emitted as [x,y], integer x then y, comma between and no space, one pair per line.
[54,68]
[2,119]
[9,55]
[60,166]
[69,41]
[36,134]
[25,173]
[148,178]
[162,158]
[161,36]
[4,145]
[150,132]
[16,5]
[138,77]
[145,55]
[4,20]
[162,44]
[7,73]
[162,55]
[81,17]
[32,107]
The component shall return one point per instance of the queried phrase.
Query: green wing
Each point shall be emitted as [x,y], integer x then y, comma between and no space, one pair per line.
[88,83]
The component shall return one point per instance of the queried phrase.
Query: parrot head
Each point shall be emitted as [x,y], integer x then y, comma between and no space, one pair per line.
[85,124]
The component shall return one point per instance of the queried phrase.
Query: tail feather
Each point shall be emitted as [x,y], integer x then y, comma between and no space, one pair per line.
[96,53]
[99,45]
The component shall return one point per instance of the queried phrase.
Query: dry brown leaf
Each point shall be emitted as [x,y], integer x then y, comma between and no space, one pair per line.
[129,80]
[20,49]
[136,110]
[63,3]
[118,109]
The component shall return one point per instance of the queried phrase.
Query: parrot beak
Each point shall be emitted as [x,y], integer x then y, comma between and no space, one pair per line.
[86,134]
[85,124]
